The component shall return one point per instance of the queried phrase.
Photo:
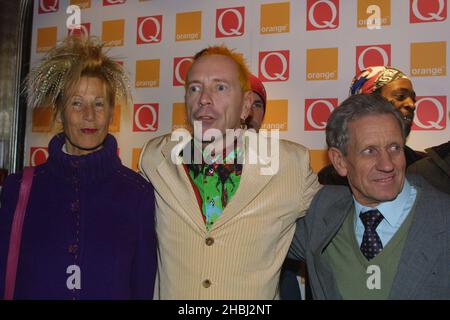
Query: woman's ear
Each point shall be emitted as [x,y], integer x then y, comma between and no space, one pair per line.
[59,118]
[111,115]
[338,161]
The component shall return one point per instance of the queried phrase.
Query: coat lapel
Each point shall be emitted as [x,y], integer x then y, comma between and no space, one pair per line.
[327,227]
[331,223]
[251,184]
[440,162]
[177,182]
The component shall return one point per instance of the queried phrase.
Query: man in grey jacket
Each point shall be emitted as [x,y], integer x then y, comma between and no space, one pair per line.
[385,237]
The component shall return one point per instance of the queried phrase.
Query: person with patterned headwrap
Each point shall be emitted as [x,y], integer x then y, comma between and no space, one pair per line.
[392,84]
[88,231]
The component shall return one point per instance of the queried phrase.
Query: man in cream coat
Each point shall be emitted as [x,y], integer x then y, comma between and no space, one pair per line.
[224,226]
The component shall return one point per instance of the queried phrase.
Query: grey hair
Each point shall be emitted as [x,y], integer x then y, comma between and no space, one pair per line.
[353,108]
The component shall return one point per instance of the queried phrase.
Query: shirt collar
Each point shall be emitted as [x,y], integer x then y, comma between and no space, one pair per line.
[235,153]
[389,209]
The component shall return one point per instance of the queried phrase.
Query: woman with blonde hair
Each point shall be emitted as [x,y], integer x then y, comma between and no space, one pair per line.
[87,230]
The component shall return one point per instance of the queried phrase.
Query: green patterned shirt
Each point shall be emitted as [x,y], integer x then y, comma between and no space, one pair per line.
[216,184]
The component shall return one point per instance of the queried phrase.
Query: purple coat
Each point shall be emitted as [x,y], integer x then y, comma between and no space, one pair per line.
[89,211]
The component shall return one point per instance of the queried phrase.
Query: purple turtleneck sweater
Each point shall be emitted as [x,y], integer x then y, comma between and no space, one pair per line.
[86,211]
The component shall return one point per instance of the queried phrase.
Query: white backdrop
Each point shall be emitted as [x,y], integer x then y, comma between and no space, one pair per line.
[303,50]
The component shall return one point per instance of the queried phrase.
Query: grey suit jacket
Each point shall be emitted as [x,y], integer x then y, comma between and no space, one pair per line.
[424,267]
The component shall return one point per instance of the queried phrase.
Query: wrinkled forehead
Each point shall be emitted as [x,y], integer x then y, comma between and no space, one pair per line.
[214,65]
[90,84]
[370,129]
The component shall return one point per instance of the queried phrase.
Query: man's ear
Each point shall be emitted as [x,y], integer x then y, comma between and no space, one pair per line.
[247,101]
[338,161]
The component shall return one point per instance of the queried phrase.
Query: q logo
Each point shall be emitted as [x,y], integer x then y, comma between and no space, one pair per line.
[83,31]
[180,68]
[319,18]
[145,117]
[274,65]
[430,113]
[46,6]
[373,55]
[427,11]
[317,112]
[113,2]
[38,155]
[149,29]
[230,22]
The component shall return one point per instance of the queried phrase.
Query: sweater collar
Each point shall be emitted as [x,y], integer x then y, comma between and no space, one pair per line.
[86,169]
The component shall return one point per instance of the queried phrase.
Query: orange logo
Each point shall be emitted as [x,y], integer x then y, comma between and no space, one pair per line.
[275,18]
[83,4]
[46,39]
[368,9]
[41,119]
[428,59]
[115,124]
[179,117]
[147,73]
[113,32]
[276,116]
[318,159]
[188,26]
[136,153]
[322,64]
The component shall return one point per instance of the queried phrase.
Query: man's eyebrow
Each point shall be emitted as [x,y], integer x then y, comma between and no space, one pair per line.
[220,80]
[193,81]
[403,90]
[214,80]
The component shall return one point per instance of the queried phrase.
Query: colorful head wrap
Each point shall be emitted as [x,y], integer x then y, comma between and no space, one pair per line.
[373,78]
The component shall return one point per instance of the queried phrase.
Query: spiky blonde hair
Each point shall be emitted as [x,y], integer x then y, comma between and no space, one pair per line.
[54,79]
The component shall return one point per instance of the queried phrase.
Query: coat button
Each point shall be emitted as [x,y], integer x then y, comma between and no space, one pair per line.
[74,206]
[209,241]
[73,248]
[206,283]
[75,163]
